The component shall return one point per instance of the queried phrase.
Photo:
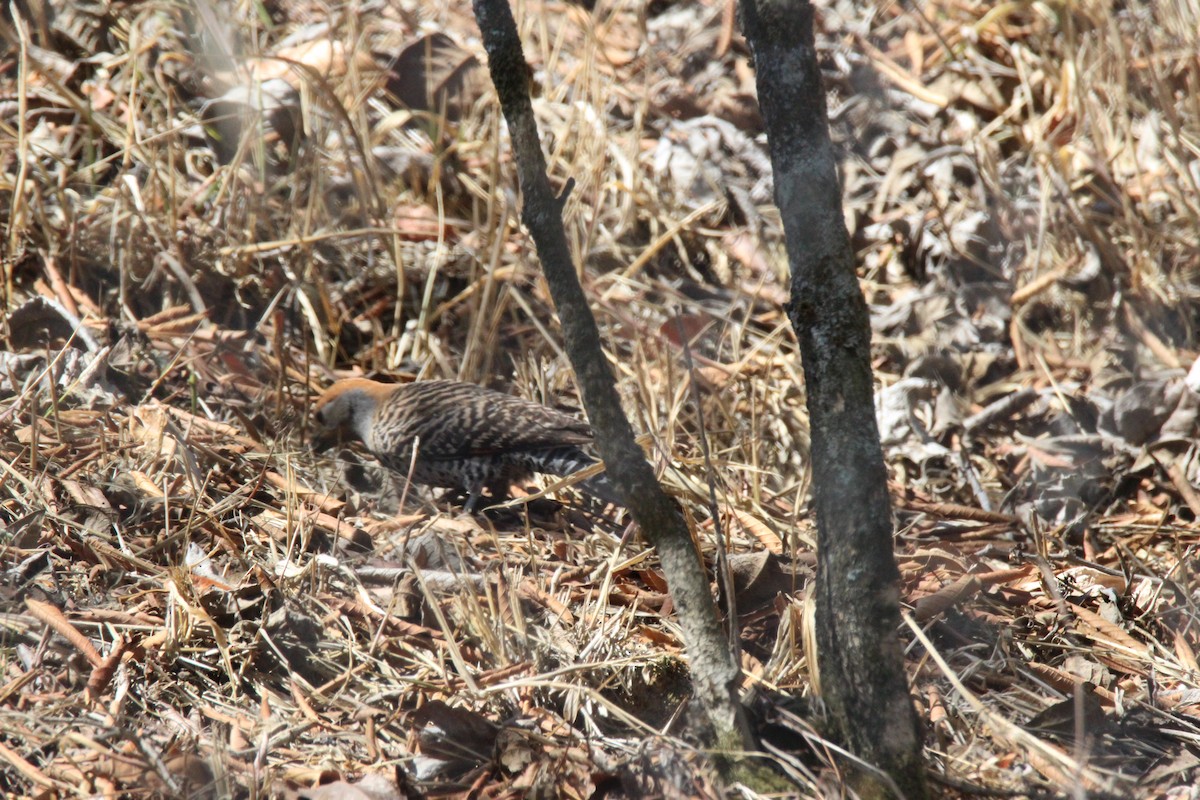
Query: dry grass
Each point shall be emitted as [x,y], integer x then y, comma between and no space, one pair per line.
[195,603]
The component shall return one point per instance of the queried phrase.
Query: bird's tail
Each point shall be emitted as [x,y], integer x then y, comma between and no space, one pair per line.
[601,487]
[566,461]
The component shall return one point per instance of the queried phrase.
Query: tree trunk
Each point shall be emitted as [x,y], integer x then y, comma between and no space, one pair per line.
[857,591]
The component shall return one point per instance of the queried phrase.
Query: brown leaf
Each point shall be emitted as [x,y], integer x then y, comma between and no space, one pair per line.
[417,222]
[1081,713]
[947,597]
[434,74]
[102,673]
[458,738]
[758,577]
[370,787]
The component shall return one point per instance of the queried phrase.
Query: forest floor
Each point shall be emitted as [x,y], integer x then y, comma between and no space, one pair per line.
[212,212]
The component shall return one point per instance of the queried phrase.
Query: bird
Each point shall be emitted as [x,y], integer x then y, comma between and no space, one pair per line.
[464,436]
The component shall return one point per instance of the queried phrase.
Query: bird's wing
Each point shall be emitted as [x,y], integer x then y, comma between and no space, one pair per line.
[456,420]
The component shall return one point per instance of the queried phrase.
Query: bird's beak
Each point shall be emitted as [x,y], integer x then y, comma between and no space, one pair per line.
[324,439]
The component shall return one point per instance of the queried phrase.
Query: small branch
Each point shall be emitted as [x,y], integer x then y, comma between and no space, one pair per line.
[732,628]
[1002,409]
[52,616]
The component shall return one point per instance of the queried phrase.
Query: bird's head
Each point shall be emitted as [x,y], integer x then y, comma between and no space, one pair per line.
[346,410]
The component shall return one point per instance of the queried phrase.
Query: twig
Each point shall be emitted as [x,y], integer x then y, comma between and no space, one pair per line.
[732,629]
[1001,409]
[1184,487]
[53,617]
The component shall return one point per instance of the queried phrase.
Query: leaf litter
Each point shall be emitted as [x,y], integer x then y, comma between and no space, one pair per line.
[212,212]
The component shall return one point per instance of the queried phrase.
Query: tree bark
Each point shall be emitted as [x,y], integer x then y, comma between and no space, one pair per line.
[714,672]
[859,655]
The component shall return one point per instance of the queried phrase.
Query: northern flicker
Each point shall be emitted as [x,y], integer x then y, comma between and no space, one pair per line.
[465,436]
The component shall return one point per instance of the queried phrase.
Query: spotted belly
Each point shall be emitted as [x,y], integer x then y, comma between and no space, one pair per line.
[470,473]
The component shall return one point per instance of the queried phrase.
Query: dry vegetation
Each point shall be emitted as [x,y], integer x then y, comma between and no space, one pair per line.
[193,603]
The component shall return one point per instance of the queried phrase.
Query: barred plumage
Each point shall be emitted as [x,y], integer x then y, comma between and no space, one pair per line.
[466,436]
